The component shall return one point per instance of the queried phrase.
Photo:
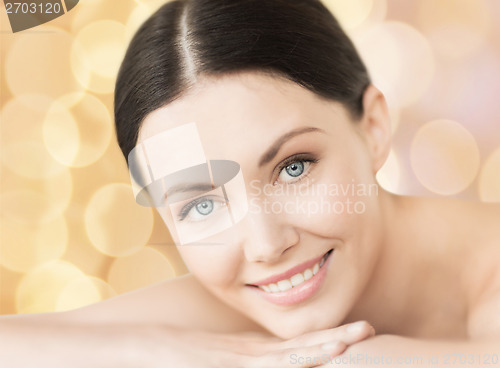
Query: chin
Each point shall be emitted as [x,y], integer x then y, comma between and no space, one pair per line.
[288,328]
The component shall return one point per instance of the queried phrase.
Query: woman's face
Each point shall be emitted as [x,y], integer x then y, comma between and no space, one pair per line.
[308,173]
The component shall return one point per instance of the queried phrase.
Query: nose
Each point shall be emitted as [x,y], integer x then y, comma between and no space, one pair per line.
[267,236]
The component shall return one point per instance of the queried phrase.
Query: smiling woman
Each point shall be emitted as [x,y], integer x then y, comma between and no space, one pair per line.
[318,144]
[240,120]
[291,102]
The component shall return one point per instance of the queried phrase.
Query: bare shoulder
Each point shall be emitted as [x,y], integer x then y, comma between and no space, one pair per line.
[482,268]
[471,225]
[470,236]
[480,224]
[180,302]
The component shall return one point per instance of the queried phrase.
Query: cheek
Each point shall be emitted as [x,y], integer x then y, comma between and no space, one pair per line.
[340,202]
[216,266]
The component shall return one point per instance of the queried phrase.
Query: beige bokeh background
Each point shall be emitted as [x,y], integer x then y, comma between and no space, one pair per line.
[70,231]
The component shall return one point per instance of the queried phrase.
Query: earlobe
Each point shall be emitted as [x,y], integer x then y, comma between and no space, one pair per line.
[375,126]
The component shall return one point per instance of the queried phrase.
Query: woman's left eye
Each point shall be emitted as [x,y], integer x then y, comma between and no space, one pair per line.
[293,171]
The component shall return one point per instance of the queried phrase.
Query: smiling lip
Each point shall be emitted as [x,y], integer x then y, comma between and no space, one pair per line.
[300,293]
[287,274]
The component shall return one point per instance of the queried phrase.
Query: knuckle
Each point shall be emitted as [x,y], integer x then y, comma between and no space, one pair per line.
[357,327]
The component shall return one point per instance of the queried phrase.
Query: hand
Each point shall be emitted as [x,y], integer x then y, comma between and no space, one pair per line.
[202,349]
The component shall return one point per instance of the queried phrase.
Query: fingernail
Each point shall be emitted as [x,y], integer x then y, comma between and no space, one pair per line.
[331,346]
[356,327]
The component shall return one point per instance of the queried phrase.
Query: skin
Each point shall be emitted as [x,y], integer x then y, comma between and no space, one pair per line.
[423,268]
[269,243]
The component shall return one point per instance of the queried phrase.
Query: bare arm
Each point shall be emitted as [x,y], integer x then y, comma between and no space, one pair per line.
[119,332]
[49,340]
[127,331]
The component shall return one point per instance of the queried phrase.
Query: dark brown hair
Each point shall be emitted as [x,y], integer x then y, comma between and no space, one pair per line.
[296,39]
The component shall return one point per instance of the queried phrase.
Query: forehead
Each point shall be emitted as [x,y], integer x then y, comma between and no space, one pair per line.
[236,111]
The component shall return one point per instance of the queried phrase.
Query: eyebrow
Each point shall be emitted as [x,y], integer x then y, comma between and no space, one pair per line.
[193,187]
[275,147]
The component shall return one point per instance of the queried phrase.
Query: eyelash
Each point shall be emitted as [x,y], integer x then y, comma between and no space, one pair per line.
[189,206]
[288,161]
[301,157]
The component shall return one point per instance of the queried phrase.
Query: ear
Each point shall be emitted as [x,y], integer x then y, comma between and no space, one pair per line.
[375,126]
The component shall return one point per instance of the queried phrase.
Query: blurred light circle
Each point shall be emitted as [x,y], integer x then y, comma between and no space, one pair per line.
[40,288]
[102,45]
[95,83]
[437,15]
[152,4]
[136,18]
[471,92]
[30,159]
[83,291]
[103,42]
[21,116]
[489,180]
[350,14]
[39,63]
[98,10]
[77,133]
[80,65]
[399,59]
[389,176]
[377,15]
[26,245]
[455,42]
[379,51]
[21,134]
[37,201]
[115,223]
[444,157]
[138,270]
[60,134]
[26,205]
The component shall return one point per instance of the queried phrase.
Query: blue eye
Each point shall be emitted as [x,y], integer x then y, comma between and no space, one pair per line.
[205,207]
[200,209]
[295,169]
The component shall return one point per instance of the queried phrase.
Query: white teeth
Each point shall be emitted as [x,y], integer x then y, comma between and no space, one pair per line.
[284,285]
[308,274]
[293,281]
[297,279]
[274,288]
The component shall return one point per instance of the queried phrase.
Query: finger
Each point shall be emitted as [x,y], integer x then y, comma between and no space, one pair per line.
[303,357]
[349,334]
[242,343]
[247,342]
[257,337]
